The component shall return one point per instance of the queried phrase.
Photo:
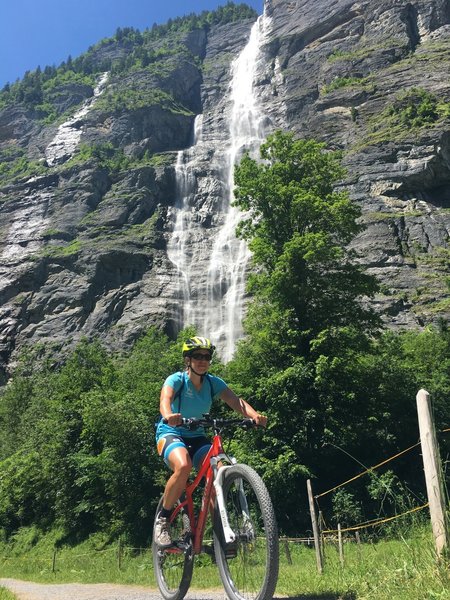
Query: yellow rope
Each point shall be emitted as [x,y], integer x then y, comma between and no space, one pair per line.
[366,471]
[374,522]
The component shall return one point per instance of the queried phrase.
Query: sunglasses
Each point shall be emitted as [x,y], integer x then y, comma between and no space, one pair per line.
[197,356]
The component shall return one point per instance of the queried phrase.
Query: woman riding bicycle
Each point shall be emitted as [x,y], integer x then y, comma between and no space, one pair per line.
[189,394]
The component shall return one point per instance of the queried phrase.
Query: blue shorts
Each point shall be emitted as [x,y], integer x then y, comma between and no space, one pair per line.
[197,447]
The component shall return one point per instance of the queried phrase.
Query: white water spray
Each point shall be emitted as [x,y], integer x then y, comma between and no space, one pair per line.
[178,248]
[214,301]
[67,138]
[229,259]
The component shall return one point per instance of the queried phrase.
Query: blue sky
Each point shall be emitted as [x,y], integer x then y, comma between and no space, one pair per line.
[45,32]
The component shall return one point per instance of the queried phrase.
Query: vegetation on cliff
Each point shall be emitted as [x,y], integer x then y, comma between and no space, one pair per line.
[129,49]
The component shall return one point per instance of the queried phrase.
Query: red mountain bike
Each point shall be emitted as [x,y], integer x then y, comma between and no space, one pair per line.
[245,533]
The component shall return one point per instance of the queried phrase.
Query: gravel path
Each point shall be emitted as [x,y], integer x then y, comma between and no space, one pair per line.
[27,590]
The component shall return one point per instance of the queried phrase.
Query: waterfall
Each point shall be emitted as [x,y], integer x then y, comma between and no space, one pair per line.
[212,299]
[229,258]
[178,248]
[67,138]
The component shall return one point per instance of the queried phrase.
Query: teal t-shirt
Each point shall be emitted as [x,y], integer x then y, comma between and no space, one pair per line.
[191,403]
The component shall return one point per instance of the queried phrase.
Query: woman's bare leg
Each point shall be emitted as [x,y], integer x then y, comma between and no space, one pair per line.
[181,465]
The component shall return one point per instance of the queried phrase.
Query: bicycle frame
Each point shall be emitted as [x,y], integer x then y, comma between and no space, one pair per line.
[209,470]
[230,490]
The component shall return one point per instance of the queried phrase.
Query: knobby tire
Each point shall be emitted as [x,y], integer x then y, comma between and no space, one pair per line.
[248,567]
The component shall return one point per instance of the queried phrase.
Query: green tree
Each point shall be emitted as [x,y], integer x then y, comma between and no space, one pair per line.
[77,440]
[339,393]
[306,318]
[298,226]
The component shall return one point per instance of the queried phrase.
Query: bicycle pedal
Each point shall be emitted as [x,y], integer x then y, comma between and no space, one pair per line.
[231,550]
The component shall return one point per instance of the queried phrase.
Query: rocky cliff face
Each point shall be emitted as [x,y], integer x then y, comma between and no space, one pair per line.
[357,75]
[84,228]
[83,232]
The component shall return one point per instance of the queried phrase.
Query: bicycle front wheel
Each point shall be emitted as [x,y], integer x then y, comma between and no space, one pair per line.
[248,566]
[173,566]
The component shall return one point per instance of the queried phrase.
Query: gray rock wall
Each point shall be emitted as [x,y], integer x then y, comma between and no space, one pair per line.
[400,175]
[83,244]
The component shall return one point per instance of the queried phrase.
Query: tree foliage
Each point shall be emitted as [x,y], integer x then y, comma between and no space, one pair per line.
[298,227]
[313,357]
[76,444]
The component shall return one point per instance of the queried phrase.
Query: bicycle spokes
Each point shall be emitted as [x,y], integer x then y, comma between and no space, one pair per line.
[173,565]
[249,565]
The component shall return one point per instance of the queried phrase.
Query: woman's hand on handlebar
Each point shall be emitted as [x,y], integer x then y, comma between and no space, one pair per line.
[173,419]
[260,420]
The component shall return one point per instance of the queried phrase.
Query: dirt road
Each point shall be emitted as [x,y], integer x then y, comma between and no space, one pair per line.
[27,590]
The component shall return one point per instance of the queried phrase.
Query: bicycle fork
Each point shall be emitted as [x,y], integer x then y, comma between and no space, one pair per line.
[229,534]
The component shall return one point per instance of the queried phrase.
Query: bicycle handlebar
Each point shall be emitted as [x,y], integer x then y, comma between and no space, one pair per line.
[208,421]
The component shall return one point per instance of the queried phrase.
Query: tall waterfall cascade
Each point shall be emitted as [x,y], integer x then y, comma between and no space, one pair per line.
[211,262]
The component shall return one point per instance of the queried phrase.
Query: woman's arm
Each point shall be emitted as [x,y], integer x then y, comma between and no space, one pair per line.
[241,406]
[165,406]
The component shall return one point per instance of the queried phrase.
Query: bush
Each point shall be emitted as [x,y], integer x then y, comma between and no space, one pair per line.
[415,108]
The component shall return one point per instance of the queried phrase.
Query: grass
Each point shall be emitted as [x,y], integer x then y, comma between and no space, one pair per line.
[399,569]
[383,216]
[348,82]
[364,50]
[62,251]
[129,99]
[18,168]
[6,594]
[409,113]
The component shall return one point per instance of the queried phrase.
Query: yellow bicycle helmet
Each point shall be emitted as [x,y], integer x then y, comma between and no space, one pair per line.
[197,343]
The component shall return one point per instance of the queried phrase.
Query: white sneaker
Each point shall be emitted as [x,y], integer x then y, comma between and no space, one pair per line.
[162,533]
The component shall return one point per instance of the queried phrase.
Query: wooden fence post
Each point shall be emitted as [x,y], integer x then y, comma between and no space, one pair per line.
[54,561]
[321,537]
[433,470]
[119,554]
[287,551]
[314,527]
[341,548]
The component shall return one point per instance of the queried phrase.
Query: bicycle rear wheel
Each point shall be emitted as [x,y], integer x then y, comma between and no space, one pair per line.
[173,566]
[248,566]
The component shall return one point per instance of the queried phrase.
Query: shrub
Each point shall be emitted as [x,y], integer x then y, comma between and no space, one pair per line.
[415,108]
[341,82]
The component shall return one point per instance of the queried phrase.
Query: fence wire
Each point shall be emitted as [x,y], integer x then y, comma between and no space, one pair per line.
[374,522]
[370,469]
